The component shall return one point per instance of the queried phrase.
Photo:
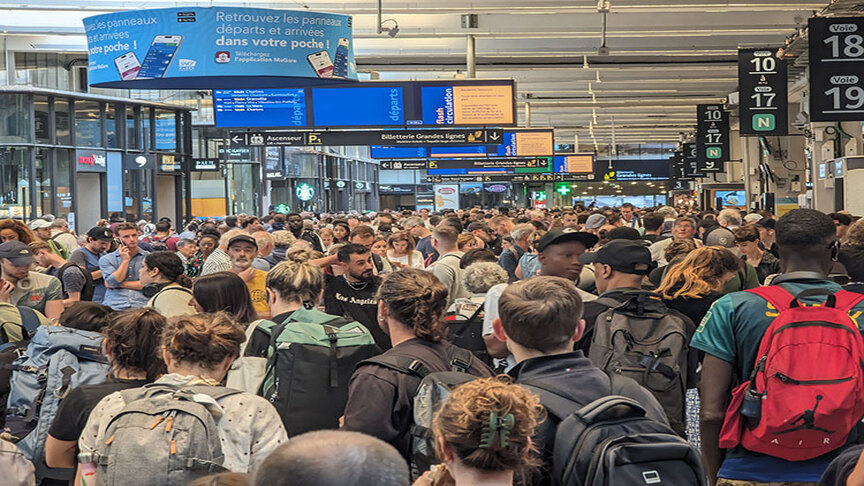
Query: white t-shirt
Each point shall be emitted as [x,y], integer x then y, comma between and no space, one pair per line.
[416,259]
[173,300]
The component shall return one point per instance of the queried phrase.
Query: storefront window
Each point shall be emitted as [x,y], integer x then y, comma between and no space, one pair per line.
[166,130]
[44,188]
[88,124]
[111,133]
[14,118]
[61,121]
[41,121]
[133,138]
[243,188]
[146,136]
[14,183]
[131,183]
[63,182]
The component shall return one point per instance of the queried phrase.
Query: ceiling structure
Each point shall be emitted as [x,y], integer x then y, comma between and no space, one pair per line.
[664,56]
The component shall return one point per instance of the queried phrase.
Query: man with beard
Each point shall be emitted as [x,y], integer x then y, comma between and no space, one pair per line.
[353,294]
[242,249]
[295,225]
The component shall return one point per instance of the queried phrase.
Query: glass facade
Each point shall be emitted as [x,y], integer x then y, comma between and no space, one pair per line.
[54,146]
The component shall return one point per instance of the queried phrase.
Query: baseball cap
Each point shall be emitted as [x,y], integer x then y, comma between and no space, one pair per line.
[100,233]
[39,223]
[243,238]
[563,235]
[17,252]
[766,223]
[595,221]
[625,256]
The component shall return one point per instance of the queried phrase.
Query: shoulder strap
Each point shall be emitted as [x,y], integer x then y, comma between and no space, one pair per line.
[847,300]
[554,400]
[29,320]
[401,364]
[608,302]
[774,294]
[460,359]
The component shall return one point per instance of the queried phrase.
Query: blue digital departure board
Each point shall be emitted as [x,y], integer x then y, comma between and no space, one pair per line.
[516,143]
[379,152]
[260,107]
[358,107]
[375,104]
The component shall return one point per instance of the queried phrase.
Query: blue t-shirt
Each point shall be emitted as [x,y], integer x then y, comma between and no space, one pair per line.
[732,331]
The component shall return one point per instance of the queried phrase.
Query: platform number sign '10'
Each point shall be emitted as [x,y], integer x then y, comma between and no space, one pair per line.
[763,92]
[836,69]
[712,138]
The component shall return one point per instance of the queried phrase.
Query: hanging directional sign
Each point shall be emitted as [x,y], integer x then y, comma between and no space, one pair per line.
[712,138]
[484,163]
[763,93]
[836,79]
[679,185]
[678,167]
[437,179]
[363,137]
[691,159]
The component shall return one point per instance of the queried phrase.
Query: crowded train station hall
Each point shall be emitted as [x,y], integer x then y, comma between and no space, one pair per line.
[431,243]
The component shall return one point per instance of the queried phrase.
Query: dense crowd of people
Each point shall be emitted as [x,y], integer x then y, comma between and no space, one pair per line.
[505,346]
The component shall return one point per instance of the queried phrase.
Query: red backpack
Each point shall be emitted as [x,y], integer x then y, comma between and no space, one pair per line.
[806,391]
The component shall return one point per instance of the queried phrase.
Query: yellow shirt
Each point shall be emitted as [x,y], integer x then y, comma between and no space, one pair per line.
[258,291]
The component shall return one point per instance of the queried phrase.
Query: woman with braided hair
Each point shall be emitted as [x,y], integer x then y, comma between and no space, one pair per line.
[381,392]
[483,435]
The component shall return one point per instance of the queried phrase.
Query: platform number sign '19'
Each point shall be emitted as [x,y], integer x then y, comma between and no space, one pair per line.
[763,92]
[712,138]
[836,69]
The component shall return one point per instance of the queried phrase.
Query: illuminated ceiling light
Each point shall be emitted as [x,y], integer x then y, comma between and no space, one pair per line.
[585,62]
[598,77]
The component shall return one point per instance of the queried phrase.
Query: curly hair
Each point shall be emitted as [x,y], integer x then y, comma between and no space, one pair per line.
[417,299]
[479,277]
[461,420]
[855,235]
[678,247]
[203,339]
[24,234]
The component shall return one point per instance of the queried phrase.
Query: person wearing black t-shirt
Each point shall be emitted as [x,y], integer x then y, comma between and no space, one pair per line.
[132,348]
[354,293]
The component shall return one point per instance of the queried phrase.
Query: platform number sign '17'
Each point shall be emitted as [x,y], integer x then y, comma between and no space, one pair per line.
[836,69]
[712,138]
[763,92]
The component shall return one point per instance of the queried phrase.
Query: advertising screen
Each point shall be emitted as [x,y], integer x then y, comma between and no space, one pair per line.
[271,107]
[218,48]
[356,107]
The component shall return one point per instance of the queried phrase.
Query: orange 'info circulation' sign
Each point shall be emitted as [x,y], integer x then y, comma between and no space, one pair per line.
[483,105]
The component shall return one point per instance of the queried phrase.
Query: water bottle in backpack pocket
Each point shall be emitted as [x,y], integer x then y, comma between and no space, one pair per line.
[642,340]
[176,426]
[790,408]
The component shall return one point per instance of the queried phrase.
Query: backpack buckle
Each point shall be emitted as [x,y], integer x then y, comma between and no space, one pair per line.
[460,364]
[416,366]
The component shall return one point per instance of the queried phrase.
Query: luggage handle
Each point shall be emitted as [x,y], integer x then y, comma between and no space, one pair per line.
[831,301]
[609,408]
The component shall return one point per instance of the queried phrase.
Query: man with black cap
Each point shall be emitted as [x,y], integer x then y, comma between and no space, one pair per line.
[559,251]
[99,240]
[768,236]
[620,266]
[242,249]
[37,291]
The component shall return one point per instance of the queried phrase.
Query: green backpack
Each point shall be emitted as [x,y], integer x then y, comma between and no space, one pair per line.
[310,359]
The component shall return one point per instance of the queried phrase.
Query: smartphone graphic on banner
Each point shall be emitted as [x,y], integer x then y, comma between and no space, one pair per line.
[159,56]
[341,62]
[321,63]
[128,66]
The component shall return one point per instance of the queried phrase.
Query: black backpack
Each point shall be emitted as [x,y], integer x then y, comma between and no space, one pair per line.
[640,339]
[433,390]
[89,287]
[610,441]
[468,334]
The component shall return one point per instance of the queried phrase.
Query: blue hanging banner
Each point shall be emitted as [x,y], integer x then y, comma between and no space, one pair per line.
[219,48]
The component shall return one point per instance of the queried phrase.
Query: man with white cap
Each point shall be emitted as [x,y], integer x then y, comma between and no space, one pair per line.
[42,230]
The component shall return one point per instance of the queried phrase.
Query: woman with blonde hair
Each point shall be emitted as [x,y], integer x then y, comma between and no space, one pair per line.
[402,252]
[483,435]
[466,241]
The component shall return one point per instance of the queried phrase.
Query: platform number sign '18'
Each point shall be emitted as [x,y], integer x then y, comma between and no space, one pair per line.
[712,138]
[763,92]
[836,69]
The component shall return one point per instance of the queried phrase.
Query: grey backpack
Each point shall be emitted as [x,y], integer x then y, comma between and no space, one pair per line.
[640,339]
[164,435]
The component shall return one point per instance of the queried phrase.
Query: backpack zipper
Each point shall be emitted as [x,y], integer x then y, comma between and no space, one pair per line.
[793,381]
